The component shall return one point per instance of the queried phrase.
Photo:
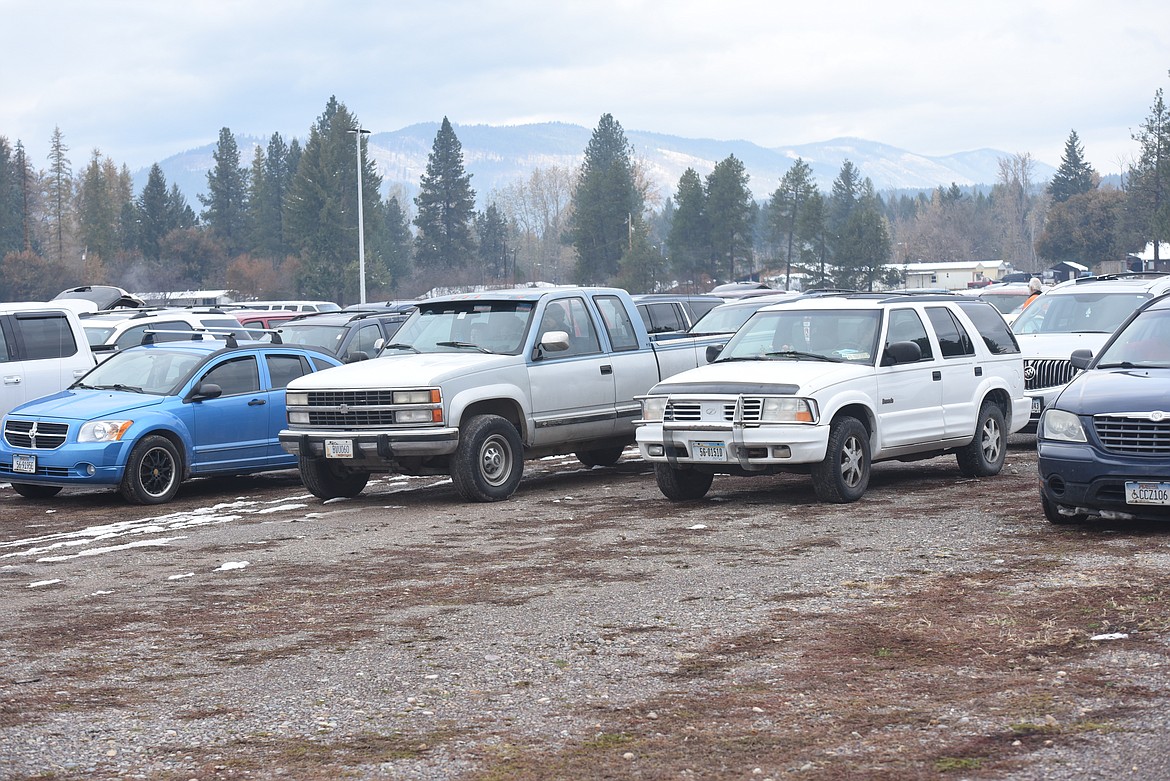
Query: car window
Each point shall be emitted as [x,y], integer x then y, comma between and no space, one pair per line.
[238,375]
[906,326]
[5,355]
[367,334]
[132,337]
[662,317]
[1084,311]
[995,332]
[571,316]
[618,324]
[953,339]
[283,369]
[45,336]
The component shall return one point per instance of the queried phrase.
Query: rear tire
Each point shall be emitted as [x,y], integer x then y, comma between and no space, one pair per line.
[327,480]
[30,491]
[682,485]
[985,455]
[844,474]
[607,456]
[153,472]
[489,462]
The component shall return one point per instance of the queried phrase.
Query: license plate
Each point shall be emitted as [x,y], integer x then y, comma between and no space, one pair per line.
[339,448]
[1035,405]
[26,465]
[708,451]
[1147,493]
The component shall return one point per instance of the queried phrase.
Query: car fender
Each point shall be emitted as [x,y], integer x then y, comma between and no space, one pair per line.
[174,426]
[504,399]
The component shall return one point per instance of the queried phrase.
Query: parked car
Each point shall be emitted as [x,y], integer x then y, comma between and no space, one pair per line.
[1081,313]
[669,313]
[732,290]
[351,336]
[728,317]
[120,329]
[149,417]
[1006,297]
[1103,443]
[103,297]
[294,306]
[827,385]
[42,350]
[259,320]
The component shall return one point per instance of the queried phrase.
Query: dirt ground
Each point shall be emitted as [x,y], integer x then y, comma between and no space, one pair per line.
[585,629]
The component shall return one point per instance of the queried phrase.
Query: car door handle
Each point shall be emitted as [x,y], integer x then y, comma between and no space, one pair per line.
[936,376]
[606,368]
[256,402]
[12,380]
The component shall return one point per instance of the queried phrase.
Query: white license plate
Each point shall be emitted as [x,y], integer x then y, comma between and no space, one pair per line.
[1036,405]
[1147,493]
[708,451]
[339,448]
[26,465]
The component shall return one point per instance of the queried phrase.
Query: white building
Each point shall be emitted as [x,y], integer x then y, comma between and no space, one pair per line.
[958,275]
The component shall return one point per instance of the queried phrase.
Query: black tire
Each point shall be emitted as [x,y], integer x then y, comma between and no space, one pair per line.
[1053,514]
[489,462]
[985,455]
[606,456]
[30,491]
[682,485]
[153,472]
[844,474]
[326,479]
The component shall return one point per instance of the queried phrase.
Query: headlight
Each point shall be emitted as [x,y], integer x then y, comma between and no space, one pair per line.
[417,397]
[653,407]
[787,410]
[300,418]
[1061,426]
[103,430]
[295,398]
[417,416]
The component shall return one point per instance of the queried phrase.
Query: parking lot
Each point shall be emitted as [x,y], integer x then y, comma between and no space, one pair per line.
[586,628]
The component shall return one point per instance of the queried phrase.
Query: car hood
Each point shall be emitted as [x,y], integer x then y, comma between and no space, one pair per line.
[781,376]
[406,370]
[81,404]
[1059,346]
[1105,391]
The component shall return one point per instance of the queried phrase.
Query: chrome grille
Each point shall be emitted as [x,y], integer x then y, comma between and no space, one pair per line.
[1047,373]
[712,411]
[35,434]
[352,418]
[358,398]
[1133,434]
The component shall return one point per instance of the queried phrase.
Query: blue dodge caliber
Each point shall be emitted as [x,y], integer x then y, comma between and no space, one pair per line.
[152,416]
[1103,445]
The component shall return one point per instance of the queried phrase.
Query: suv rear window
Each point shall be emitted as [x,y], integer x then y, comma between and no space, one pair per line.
[45,336]
[995,331]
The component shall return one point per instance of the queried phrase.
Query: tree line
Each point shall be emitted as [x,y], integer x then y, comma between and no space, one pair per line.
[284,224]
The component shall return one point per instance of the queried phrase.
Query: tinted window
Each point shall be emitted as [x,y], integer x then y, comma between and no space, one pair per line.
[132,337]
[906,326]
[238,375]
[991,326]
[953,339]
[5,355]
[283,369]
[45,336]
[663,317]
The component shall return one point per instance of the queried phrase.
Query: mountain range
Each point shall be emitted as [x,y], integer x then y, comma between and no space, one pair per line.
[497,156]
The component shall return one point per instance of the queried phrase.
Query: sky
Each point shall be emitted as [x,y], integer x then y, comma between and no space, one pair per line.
[139,80]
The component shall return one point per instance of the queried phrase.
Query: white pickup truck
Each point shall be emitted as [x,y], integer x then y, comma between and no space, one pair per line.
[474,384]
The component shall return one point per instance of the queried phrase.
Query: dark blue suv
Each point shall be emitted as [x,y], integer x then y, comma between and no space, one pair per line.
[1104,442]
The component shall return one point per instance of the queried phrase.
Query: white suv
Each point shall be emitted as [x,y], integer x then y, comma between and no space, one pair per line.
[119,329]
[42,351]
[1078,314]
[830,385]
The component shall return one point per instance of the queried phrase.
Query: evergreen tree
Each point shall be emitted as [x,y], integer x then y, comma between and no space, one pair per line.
[863,243]
[1148,203]
[1084,229]
[729,214]
[11,211]
[446,206]
[786,214]
[1074,176]
[643,267]
[270,181]
[225,204]
[60,197]
[180,216]
[690,237]
[98,209]
[606,204]
[491,231]
[396,249]
[154,219]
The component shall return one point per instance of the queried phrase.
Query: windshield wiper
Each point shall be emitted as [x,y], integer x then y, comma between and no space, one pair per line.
[118,387]
[463,345]
[799,354]
[400,346]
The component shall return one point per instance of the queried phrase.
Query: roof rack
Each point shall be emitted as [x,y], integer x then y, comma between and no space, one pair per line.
[1121,275]
[228,335]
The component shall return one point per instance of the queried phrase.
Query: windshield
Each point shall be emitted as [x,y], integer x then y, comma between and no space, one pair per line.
[723,320]
[152,370]
[454,326]
[1082,312]
[1005,302]
[319,335]
[98,335]
[847,335]
[1145,342]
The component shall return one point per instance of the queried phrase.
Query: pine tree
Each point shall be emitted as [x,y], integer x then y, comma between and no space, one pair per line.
[1148,204]
[153,217]
[60,197]
[729,214]
[786,214]
[98,208]
[446,206]
[225,203]
[396,243]
[491,230]
[606,204]
[11,212]
[689,238]
[1074,176]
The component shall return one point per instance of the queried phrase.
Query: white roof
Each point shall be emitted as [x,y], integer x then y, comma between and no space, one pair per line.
[921,268]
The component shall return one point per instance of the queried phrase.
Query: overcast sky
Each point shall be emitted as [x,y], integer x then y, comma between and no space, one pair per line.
[141,81]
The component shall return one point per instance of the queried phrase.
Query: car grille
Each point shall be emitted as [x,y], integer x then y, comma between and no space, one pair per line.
[364,409]
[359,418]
[1047,373]
[35,434]
[363,398]
[1133,435]
[712,411]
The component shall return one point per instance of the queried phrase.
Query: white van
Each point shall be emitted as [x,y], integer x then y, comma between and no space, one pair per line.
[43,350]
[293,306]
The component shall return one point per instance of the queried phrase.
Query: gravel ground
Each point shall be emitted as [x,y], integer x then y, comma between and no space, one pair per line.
[587,628]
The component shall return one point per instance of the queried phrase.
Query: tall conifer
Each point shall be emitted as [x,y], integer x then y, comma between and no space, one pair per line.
[446,206]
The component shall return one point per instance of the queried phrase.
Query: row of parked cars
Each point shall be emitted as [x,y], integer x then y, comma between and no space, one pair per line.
[826,382]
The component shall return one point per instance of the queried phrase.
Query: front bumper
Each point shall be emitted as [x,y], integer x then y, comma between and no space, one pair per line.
[1093,482]
[373,448]
[72,464]
[756,447]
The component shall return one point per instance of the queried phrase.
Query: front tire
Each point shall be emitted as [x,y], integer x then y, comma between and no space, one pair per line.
[682,485]
[30,491]
[607,456]
[844,474]
[153,472]
[327,480]
[489,462]
[1054,516]
[985,455]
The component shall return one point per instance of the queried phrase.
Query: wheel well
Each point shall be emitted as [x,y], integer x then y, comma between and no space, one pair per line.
[859,411]
[999,397]
[180,448]
[505,408]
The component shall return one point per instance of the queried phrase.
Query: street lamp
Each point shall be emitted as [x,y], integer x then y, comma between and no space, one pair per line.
[358,132]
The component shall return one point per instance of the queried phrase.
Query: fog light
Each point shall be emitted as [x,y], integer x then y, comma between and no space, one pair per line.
[781,451]
[90,469]
[655,450]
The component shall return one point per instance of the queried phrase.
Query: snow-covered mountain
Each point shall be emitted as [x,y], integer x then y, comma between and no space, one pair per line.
[497,156]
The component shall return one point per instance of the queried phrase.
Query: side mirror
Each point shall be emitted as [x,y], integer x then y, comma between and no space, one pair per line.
[555,341]
[901,352]
[714,351]
[204,391]
[355,356]
[1081,359]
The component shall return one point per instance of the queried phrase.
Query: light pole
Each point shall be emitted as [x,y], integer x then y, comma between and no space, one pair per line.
[358,132]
